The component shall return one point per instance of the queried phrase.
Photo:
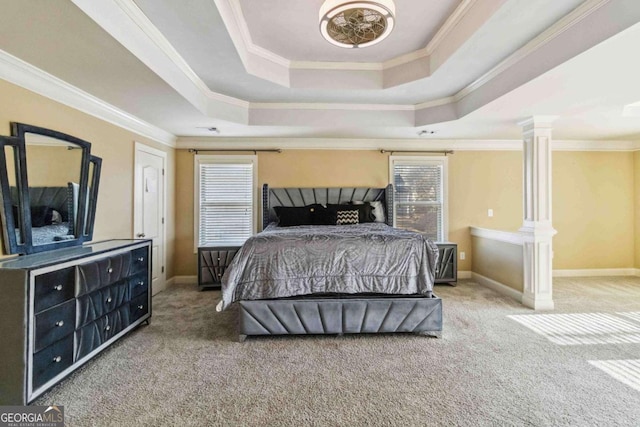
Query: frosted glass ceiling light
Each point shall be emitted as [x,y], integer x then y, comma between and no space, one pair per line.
[355,24]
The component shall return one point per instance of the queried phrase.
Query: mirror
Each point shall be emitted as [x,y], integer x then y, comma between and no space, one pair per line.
[54,171]
[54,180]
[95,167]
[11,190]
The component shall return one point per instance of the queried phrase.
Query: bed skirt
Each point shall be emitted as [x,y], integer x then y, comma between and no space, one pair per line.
[343,315]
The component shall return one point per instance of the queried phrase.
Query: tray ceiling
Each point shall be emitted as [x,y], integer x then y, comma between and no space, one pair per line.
[235,65]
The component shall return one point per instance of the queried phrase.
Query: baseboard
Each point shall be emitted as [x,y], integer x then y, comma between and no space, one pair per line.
[497,286]
[464,274]
[184,280]
[595,272]
[171,282]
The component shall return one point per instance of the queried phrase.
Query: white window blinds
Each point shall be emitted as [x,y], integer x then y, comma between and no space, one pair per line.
[419,198]
[226,202]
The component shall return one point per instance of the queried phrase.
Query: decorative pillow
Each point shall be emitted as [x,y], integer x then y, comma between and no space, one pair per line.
[41,216]
[377,208]
[323,216]
[56,217]
[290,216]
[347,217]
[364,211]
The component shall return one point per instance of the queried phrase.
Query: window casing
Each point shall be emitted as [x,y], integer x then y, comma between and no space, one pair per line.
[225,199]
[420,195]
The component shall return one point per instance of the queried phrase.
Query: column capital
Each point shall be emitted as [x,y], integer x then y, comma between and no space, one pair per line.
[537,122]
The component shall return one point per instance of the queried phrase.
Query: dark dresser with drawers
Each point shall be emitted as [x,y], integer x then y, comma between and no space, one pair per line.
[60,308]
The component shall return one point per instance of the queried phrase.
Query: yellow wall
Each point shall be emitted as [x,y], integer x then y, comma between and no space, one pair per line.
[636,198]
[479,181]
[52,166]
[500,261]
[593,210]
[593,195]
[114,216]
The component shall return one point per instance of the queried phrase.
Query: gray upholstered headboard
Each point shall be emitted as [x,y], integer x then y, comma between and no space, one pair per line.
[55,197]
[272,197]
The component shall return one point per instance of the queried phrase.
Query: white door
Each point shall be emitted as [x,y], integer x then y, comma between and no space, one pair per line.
[149,207]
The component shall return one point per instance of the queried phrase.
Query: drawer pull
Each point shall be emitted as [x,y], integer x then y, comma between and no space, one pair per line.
[141,283]
[58,287]
[141,259]
[218,258]
[107,328]
[110,270]
[109,300]
[140,307]
[60,323]
[57,359]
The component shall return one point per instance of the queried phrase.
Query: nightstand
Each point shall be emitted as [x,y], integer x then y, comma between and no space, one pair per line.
[447,269]
[212,263]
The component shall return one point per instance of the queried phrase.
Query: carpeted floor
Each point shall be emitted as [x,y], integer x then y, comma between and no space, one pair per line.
[187,368]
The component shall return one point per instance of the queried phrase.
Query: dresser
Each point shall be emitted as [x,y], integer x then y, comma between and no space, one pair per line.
[60,308]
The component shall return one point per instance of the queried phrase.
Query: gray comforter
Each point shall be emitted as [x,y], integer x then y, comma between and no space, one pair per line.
[348,259]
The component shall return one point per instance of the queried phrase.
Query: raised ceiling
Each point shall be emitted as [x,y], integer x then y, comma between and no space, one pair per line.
[261,68]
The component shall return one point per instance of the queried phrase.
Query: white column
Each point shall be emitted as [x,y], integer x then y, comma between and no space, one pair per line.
[537,229]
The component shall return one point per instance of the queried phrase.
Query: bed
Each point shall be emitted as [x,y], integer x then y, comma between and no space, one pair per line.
[333,279]
[48,227]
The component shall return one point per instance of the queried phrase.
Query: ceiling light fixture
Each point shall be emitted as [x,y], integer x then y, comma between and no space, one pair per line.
[356,24]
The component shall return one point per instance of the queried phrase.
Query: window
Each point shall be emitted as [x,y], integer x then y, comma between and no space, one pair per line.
[225,201]
[420,195]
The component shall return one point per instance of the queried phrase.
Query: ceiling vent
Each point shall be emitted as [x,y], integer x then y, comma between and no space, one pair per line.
[356,24]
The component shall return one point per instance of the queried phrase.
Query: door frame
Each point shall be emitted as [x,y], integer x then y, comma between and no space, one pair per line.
[137,200]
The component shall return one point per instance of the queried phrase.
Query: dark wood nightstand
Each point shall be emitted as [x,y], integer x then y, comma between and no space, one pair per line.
[212,263]
[447,271]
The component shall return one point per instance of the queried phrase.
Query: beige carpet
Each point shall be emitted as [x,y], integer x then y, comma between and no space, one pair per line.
[488,369]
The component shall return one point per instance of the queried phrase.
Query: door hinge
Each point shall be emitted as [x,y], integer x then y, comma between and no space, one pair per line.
[163,220]
[163,172]
[163,269]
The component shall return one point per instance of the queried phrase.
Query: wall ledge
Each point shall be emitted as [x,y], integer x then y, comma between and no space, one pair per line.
[513,237]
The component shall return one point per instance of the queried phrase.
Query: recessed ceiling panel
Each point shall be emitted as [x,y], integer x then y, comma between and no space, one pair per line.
[289,28]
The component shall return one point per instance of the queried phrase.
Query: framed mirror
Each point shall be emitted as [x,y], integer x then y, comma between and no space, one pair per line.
[11,201]
[54,179]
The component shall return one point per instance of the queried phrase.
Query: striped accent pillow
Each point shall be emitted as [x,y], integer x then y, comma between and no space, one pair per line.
[347,217]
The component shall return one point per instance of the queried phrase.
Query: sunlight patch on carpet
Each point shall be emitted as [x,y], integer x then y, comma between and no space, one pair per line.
[625,371]
[633,315]
[581,328]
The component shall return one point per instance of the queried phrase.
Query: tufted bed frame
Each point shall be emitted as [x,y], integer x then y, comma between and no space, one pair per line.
[337,314]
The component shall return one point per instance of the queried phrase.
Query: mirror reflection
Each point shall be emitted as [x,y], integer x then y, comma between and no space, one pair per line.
[54,170]
[12,174]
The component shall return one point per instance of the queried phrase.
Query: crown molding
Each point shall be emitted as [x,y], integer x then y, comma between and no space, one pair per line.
[557,29]
[329,106]
[238,110]
[422,144]
[23,74]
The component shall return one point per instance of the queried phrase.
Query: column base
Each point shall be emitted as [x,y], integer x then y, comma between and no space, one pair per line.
[537,303]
